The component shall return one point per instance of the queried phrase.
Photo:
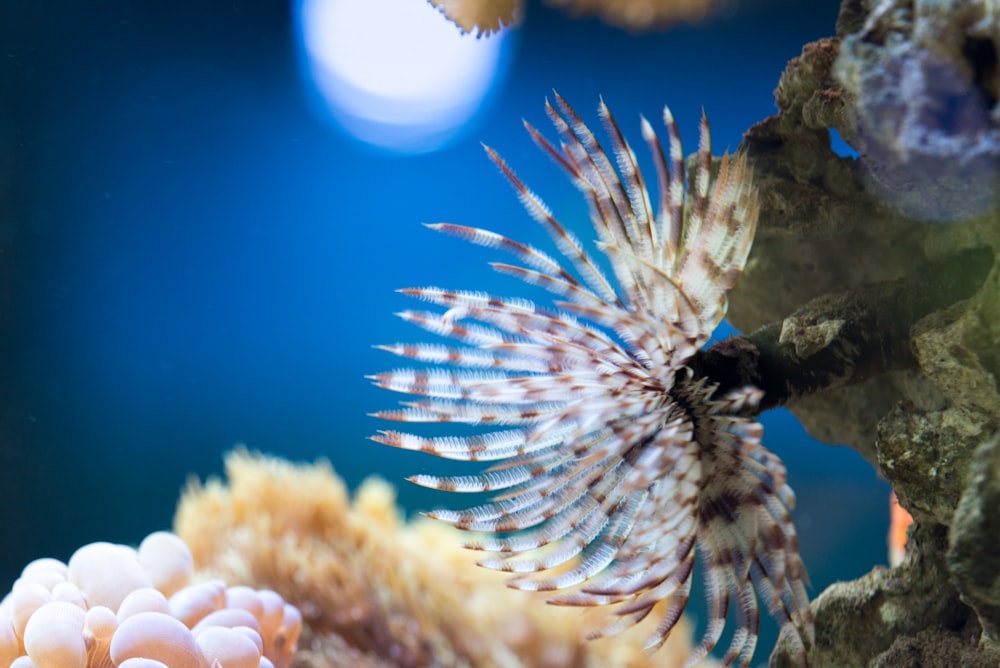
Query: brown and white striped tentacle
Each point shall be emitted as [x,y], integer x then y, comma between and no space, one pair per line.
[566,242]
[718,233]
[611,469]
[642,222]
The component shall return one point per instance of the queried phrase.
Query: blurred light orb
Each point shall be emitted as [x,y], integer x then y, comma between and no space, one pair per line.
[395,73]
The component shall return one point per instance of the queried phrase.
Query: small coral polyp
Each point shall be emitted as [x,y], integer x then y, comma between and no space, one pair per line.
[112,605]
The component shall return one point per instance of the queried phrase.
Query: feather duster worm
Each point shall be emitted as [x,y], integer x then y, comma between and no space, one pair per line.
[612,465]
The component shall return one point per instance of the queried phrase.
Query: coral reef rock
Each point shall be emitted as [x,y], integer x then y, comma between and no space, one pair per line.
[902,617]
[923,81]
[888,262]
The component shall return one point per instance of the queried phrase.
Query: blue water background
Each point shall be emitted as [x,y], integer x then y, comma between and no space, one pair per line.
[190,259]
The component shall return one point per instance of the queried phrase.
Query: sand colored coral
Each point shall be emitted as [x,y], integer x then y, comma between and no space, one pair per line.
[642,14]
[485,17]
[375,590]
[112,605]
[488,16]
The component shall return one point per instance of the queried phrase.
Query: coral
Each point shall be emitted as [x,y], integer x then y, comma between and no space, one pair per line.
[973,560]
[922,83]
[820,233]
[888,264]
[642,14]
[376,591]
[488,16]
[483,16]
[903,616]
[112,605]
[823,232]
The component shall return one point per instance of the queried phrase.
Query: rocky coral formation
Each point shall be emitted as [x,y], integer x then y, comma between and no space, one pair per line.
[112,605]
[888,264]
[922,83]
[973,560]
[898,617]
[820,233]
[376,591]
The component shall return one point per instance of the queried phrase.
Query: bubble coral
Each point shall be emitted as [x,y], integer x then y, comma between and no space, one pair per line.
[112,605]
[376,591]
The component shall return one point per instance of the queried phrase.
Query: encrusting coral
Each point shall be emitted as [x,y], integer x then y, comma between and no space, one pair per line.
[112,605]
[375,590]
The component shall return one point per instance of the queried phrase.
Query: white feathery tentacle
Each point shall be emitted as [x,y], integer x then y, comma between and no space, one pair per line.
[612,468]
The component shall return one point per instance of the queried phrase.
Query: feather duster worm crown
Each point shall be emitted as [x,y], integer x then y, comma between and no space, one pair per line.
[612,465]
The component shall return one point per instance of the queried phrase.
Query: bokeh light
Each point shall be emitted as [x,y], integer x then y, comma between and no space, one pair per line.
[395,73]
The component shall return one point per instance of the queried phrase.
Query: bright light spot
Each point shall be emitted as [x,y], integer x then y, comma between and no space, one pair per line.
[396,73]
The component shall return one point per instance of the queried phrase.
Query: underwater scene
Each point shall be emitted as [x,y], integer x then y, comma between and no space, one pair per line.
[502,333]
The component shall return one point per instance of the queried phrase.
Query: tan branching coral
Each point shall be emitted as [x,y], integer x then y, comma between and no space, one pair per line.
[376,590]
[488,16]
